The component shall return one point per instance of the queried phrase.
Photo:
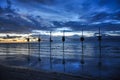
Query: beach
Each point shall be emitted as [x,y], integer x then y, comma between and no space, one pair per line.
[20,73]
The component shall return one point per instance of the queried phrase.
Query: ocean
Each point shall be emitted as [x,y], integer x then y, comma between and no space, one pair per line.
[90,59]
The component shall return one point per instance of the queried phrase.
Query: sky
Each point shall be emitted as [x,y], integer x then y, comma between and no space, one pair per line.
[40,16]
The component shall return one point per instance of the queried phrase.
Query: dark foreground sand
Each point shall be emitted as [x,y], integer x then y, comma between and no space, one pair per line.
[19,73]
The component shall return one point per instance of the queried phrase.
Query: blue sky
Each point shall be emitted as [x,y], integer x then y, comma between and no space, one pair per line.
[22,16]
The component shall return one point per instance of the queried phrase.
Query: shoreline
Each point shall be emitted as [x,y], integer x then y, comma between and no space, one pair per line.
[20,73]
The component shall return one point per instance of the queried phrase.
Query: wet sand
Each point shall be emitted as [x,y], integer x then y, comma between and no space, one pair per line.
[20,73]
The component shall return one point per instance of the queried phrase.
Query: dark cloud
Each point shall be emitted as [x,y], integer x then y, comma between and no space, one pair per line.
[52,14]
[76,26]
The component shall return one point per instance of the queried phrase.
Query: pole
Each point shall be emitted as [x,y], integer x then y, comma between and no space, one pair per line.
[28,40]
[39,41]
[100,55]
[50,50]
[63,40]
[82,40]
[50,45]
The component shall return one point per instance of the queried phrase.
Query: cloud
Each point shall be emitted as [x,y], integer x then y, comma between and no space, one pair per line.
[29,15]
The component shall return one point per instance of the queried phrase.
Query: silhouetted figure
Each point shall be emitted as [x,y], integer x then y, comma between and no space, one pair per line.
[39,41]
[82,40]
[63,40]
[28,40]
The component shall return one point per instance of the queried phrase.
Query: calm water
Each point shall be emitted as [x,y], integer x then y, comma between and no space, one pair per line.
[108,70]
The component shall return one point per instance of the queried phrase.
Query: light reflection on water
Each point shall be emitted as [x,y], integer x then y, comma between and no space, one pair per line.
[108,70]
